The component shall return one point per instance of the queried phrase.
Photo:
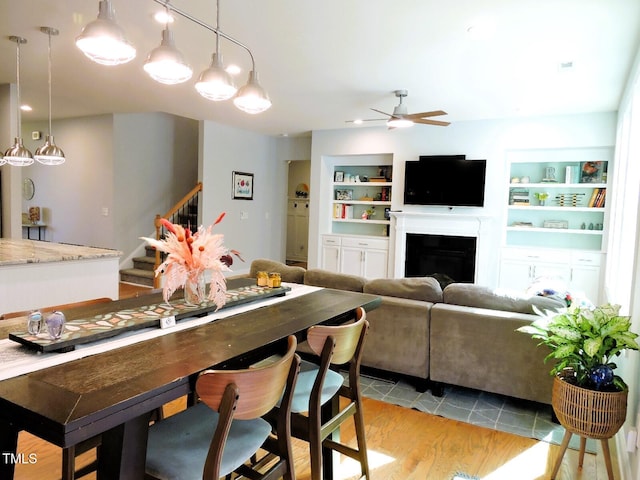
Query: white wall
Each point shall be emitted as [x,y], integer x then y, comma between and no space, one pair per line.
[224,150]
[129,166]
[487,139]
[155,165]
[70,195]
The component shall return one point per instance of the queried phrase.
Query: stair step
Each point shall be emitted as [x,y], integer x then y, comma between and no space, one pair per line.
[138,276]
[144,263]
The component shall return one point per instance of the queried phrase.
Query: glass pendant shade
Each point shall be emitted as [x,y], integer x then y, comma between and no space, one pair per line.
[215,83]
[252,98]
[103,40]
[18,155]
[49,153]
[165,64]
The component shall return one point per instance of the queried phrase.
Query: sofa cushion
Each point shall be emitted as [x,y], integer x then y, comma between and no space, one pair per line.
[339,281]
[426,289]
[287,273]
[471,295]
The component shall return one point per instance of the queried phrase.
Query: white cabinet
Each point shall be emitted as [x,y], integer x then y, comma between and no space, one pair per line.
[366,257]
[356,255]
[297,229]
[331,253]
[579,271]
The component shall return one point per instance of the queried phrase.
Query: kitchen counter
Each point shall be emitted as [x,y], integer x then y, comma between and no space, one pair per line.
[13,252]
[36,274]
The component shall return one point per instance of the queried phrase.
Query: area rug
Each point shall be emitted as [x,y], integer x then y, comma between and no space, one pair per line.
[498,412]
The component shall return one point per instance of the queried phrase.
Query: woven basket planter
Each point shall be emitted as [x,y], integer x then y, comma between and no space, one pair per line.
[588,413]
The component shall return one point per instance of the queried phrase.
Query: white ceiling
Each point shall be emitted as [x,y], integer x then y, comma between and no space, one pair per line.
[327,61]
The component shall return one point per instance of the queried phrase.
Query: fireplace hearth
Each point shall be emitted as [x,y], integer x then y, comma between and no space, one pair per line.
[449,258]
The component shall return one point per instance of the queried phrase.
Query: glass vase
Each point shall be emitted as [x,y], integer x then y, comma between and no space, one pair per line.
[195,289]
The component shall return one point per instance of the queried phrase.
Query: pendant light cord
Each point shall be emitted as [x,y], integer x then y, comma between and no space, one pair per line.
[18,87]
[217,28]
[49,34]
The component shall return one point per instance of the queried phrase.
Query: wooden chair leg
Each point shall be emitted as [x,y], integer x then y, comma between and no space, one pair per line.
[607,457]
[360,437]
[563,449]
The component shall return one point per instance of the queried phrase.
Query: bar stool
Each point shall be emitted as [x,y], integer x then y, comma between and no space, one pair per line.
[319,387]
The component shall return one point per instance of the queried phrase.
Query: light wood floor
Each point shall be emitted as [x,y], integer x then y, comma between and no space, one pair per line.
[403,444]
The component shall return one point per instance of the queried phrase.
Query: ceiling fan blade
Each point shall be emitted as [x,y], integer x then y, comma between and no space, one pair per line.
[383,113]
[426,121]
[435,113]
[367,120]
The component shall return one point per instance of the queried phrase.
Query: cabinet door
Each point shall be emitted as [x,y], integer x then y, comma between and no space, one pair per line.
[331,258]
[375,263]
[515,275]
[352,260]
[585,281]
[291,236]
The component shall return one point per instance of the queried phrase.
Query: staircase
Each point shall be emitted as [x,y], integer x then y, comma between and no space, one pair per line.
[142,271]
[184,213]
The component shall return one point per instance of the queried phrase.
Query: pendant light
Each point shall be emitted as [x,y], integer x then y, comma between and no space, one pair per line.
[49,153]
[215,83]
[166,64]
[103,40]
[18,155]
[252,98]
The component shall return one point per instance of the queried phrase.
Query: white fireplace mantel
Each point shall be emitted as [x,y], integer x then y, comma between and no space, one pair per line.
[449,223]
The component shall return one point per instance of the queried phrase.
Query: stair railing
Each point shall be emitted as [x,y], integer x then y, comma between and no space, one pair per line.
[180,209]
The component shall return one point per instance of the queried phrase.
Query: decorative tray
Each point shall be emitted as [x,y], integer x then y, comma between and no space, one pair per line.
[106,325]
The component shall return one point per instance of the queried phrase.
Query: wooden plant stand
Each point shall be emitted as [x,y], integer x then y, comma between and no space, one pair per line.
[589,414]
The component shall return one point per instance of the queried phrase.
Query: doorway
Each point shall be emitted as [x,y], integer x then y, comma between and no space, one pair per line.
[298,197]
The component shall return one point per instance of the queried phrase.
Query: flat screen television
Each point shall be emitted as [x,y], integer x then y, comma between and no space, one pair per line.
[451,181]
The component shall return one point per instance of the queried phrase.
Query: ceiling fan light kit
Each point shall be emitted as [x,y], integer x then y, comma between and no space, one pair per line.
[400,118]
[104,42]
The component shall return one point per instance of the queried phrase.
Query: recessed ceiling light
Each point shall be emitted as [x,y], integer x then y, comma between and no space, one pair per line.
[358,121]
[233,69]
[26,108]
[163,17]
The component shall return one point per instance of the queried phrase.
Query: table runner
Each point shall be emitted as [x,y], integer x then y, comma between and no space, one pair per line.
[16,359]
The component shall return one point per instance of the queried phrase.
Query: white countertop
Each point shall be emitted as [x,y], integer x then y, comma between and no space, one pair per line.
[16,252]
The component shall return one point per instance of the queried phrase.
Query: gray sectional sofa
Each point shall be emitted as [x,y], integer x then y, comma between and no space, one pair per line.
[463,335]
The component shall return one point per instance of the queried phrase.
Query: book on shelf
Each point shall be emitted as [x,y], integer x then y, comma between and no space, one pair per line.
[342,211]
[597,198]
[518,196]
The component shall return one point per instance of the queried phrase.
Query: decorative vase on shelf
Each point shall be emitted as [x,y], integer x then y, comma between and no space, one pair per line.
[195,288]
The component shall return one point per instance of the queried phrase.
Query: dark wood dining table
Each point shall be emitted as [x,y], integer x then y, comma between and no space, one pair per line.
[113,393]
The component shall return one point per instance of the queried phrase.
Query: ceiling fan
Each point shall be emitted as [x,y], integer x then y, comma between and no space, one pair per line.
[401,118]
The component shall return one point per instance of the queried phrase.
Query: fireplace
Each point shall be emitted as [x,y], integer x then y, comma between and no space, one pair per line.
[449,258]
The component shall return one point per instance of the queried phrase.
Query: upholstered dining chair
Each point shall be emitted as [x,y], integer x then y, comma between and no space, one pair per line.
[222,433]
[318,385]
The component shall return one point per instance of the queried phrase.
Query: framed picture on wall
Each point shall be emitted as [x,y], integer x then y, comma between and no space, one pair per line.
[242,184]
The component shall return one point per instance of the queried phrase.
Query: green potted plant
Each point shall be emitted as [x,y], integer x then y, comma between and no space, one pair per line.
[583,341]
[542,197]
[587,398]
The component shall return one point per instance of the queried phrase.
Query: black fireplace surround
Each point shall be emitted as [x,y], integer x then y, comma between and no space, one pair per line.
[447,258]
